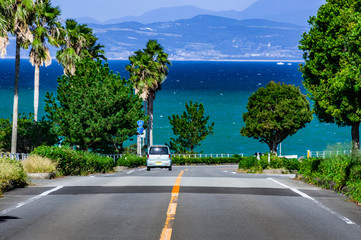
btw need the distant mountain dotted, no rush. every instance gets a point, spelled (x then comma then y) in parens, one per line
(166, 14)
(288, 11)
(205, 37)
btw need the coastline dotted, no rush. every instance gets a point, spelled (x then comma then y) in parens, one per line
(198, 60)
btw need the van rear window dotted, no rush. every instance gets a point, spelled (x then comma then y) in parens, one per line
(159, 150)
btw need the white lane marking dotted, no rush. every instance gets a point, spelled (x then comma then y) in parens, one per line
(130, 171)
(304, 195)
(91, 176)
(234, 172)
(225, 171)
(6, 211)
(142, 169)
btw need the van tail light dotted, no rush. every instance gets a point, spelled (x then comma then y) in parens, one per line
(169, 155)
(147, 155)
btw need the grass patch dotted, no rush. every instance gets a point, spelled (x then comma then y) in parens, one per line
(37, 164)
(12, 174)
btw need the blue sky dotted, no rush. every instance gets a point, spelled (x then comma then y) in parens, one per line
(103, 10)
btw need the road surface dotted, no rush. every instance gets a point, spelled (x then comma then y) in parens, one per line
(198, 202)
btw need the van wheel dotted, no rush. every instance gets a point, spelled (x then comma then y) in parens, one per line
(148, 168)
(170, 168)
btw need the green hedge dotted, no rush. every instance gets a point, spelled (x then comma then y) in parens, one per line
(340, 173)
(135, 161)
(130, 160)
(252, 164)
(244, 162)
(72, 162)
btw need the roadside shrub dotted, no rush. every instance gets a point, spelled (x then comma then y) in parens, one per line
(354, 190)
(248, 162)
(30, 134)
(275, 163)
(291, 164)
(355, 173)
(205, 160)
(38, 164)
(334, 171)
(72, 162)
(12, 174)
(132, 160)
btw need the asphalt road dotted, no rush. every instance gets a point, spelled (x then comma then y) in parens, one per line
(187, 203)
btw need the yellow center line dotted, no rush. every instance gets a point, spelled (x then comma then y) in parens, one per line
(172, 207)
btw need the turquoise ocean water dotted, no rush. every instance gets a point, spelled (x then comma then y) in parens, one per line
(222, 87)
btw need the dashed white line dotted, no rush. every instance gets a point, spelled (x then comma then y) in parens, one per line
(6, 211)
(304, 195)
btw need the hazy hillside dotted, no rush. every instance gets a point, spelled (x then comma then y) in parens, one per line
(288, 11)
(205, 37)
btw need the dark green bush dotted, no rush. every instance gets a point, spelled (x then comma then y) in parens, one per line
(355, 173)
(205, 160)
(72, 162)
(354, 190)
(336, 171)
(248, 162)
(291, 164)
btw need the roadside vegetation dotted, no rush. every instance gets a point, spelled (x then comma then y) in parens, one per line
(340, 173)
(12, 174)
(254, 165)
(72, 162)
(37, 164)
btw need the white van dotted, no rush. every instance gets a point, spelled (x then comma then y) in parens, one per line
(159, 156)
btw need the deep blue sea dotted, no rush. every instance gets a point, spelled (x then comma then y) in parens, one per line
(222, 87)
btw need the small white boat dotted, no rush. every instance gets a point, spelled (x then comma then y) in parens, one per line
(280, 63)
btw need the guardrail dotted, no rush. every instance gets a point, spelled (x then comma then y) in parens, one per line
(324, 154)
(207, 155)
(17, 156)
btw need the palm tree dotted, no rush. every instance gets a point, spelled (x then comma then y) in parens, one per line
(148, 70)
(78, 41)
(15, 19)
(45, 28)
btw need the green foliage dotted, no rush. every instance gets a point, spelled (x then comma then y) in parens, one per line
(77, 42)
(95, 108)
(274, 113)
(30, 134)
(332, 58)
(148, 69)
(12, 174)
(132, 160)
(71, 162)
(332, 172)
(354, 190)
(204, 160)
(253, 165)
(190, 128)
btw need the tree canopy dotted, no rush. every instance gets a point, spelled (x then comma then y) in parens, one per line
(190, 128)
(274, 113)
(332, 69)
(95, 108)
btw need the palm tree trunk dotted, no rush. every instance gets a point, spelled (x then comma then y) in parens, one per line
(16, 99)
(150, 114)
(36, 92)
